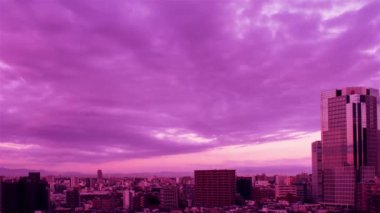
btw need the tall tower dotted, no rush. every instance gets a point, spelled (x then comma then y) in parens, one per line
(350, 143)
(99, 174)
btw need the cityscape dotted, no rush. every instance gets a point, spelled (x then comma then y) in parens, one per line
(189, 106)
(345, 176)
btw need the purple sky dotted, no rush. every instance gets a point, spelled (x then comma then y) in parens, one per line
(175, 85)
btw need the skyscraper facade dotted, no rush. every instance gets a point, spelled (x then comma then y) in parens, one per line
(214, 188)
(350, 143)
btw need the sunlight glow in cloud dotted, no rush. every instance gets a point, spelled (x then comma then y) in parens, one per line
(16, 146)
(181, 136)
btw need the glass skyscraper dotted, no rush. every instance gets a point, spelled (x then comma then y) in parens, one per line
(350, 142)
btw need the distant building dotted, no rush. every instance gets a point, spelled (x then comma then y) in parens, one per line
(59, 188)
(262, 177)
(263, 183)
(303, 191)
(316, 157)
(92, 182)
(104, 203)
(72, 198)
(100, 175)
(244, 187)
(138, 202)
(169, 197)
(283, 191)
(28, 194)
(262, 193)
(73, 182)
(186, 195)
(303, 185)
(283, 180)
(284, 187)
(350, 143)
(127, 198)
(214, 188)
(34, 176)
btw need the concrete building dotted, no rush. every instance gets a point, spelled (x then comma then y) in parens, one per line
(169, 197)
(127, 199)
(214, 188)
(282, 191)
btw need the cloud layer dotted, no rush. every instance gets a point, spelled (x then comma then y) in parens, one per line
(100, 81)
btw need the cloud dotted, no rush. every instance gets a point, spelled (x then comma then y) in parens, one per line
(103, 81)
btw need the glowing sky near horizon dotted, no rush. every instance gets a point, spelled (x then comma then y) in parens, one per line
(134, 86)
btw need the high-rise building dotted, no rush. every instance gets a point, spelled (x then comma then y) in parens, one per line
(72, 198)
(316, 157)
(169, 197)
(350, 143)
(244, 187)
(28, 194)
(100, 174)
(214, 188)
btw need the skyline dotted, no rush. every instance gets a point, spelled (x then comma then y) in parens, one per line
(134, 86)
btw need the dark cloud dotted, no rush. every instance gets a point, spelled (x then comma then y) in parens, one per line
(153, 78)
